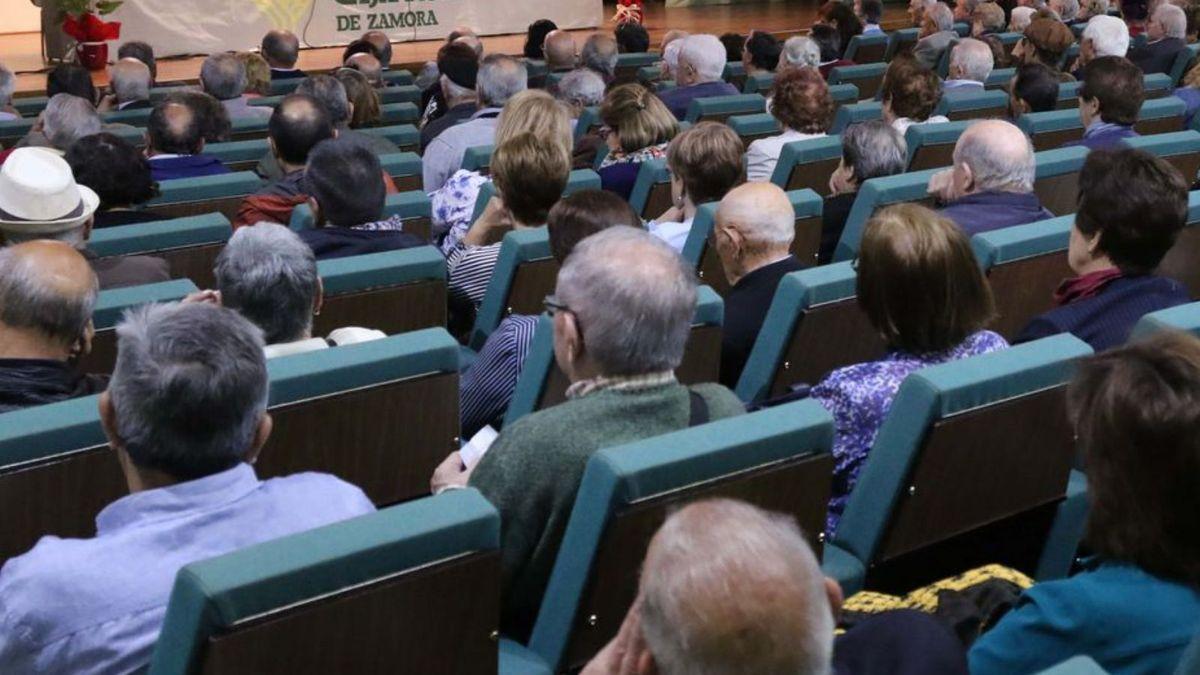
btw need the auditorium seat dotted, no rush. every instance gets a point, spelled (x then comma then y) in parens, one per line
(542, 384)
(931, 146)
(942, 492)
(876, 193)
(700, 249)
(777, 459)
(189, 245)
(398, 113)
(735, 74)
(391, 291)
(404, 136)
(1160, 115)
(579, 179)
(207, 194)
(525, 274)
(1180, 148)
(814, 326)
(901, 41)
(963, 29)
(758, 83)
(111, 305)
(808, 164)
(1190, 663)
(1051, 129)
(478, 158)
(404, 168)
(721, 108)
(589, 119)
(629, 64)
(1077, 665)
(1000, 77)
(1024, 265)
(412, 588)
(239, 155)
(245, 128)
(750, 128)
(651, 195)
(650, 75)
(1157, 85)
(1068, 95)
(387, 97)
(1009, 40)
(397, 77)
(973, 105)
(1056, 182)
(1184, 318)
(12, 131)
(413, 207)
(866, 49)
(1182, 262)
(854, 113)
(1182, 61)
(138, 117)
(867, 77)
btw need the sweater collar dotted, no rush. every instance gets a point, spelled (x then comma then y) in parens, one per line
(620, 383)
(1086, 286)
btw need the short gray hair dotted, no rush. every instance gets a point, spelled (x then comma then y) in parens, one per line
(1173, 20)
(599, 54)
(131, 81)
(705, 54)
(500, 78)
(269, 275)
(1068, 9)
(1096, 7)
(29, 301)
(223, 76)
(634, 297)
(802, 51)
(873, 149)
(1020, 18)
(994, 167)
(330, 93)
(67, 119)
(8, 84)
(708, 567)
(581, 87)
(189, 388)
(974, 58)
(1109, 35)
(941, 15)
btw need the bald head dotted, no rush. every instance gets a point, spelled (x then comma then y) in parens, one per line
(762, 214)
(473, 42)
(971, 59)
(297, 125)
(382, 44)
(281, 49)
(130, 80)
(368, 65)
(174, 128)
(673, 35)
(560, 50)
(47, 292)
(997, 155)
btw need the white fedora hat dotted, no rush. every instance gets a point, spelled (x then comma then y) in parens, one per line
(38, 194)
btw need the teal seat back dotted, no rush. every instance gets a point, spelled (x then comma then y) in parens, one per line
(1056, 180)
(963, 29)
(1024, 265)
(750, 128)
(589, 118)
(239, 155)
(1182, 262)
(649, 74)
(207, 194)
(354, 584)
(651, 194)
(111, 305)
(808, 164)
(1078, 665)
(542, 384)
(397, 77)
(404, 168)
(248, 127)
(735, 73)
(1184, 318)
(943, 423)
(285, 86)
(1157, 85)
(1182, 61)
(758, 83)
(12, 131)
(867, 48)
(776, 459)
(398, 113)
(1190, 663)
(1051, 129)
(854, 113)
(414, 207)
(1000, 77)
(392, 291)
(578, 179)
(843, 94)
(867, 77)
(189, 245)
(1160, 115)
(629, 65)
(901, 41)
(1068, 95)
(931, 146)
(814, 326)
(1180, 148)
(721, 108)
(404, 136)
(478, 158)
(973, 105)
(524, 275)
(138, 117)
(400, 94)
(875, 194)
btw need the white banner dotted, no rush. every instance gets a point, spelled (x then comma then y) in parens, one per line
(175, 27)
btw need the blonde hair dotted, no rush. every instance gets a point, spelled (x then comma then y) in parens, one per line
(258, 73)
(530, 175)
(639, 118)
(362, 95)
(536, 112)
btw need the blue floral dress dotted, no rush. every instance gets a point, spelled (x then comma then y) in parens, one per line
(452, 207)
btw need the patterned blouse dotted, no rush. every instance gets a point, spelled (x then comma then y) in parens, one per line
(859, 398)
(636, 157)
(453, 205)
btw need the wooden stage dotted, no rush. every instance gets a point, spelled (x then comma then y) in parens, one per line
(21, 52)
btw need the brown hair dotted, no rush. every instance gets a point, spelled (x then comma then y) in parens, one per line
(919, 282)
(258, 73)
(639, 118)
(576, 217)
(1118, 85)
(1136, 412)
(800, 100)
(530, 175)
(362, 96)
(707, 158)
(912, 90)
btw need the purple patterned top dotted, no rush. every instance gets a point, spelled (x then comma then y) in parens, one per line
(452, 207)
(859, 398)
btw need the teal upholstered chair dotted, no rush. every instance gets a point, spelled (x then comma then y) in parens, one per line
(341, 598)
(1182, 262)
(855, 113)
(413, 207)
(963, 29)
(750, 128)
(1157, 85)
(1184, 318)
(973, 105)
(867, 77)
(758, 83)
(542, 384)
(248, 127)
(111, 305)
(1190, 663)
(1056, 181)
(478, 158)
(1051, 129)
(1182, 61)
(400, 94)
(777, 459)
(239, 155)
(398, 113)
(734, 73)
(1078, 665)
(721, 108)
(525, 274)
(138, 117)
(189, 245)
(579, 179)
(814, 326)
(649, 74)
(843, 94)
(931, 146)
(589, 118)
(206, 194)
(397, 77)
(1000, 77)
(1180, 148)
(877, 193)
(808, 164)
(1068, 95)
(391, 291)
(12, 131)
(629, 64)
(867, 48)
(404, 136)
(651, 194)
(901, 41)
(1160, 115)
(1024, 265)
(942, 491)
(404, 169)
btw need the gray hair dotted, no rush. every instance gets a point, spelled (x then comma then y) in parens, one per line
(974, 58)
(996, 167)
(67, 119)
(1020, 18)
(941, 15)
(581, 87)
(705, 54)
(1109, 35)
(670, 57)
(269, 275)
(599, 54)
(8, 84)
(704, 576)
(802, 51)
(1096, 7)
(223, 76)
(189, 387)
(1173, 20)
(873, 149)
(628, 330)
(131, 81)
(30, 301)
(330, 93)
(1068, 9)
(500, 78)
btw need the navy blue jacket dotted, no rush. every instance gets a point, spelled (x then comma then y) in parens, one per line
(678, 100)
(342, 242)
(1106, 319)
(1104, 137)
(991, 210)
(185, 166)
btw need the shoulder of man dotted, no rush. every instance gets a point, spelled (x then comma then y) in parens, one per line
(721, 401)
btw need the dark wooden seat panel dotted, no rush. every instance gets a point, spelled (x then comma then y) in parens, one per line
(1024, 289)
(827, 337)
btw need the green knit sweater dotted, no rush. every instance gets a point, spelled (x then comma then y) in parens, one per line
(533, 470)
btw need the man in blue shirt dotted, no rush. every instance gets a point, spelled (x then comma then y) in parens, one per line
(175, 144)
(186, 415)
(701, 65)
(1110, 99)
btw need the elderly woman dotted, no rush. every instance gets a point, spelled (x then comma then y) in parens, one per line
(801, 102)
(1019, 18)
(705, 163)
(910, 94)
(118, 173)
(840, 16)
(258, 74)
(869, 150)
(579, 89)
(800, 52)
(1136, 604)
(922, 290)
(1045, 41)
(364, 98)
(638, 126)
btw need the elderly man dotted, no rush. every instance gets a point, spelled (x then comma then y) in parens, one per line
(65, 120)
(140, 51)
(799, 52)
(175, 144)
(707, 575)
(129, 82)
(937, 33)
(186, 419)
(47, 293)
(971, 63)
(1167, 33)
(39, 199)
(599, 54)
(869, 150)
(369, 66)
(500, 78)
(671, 44)
(459, 68)
(269, 275)
(1103, 36)
(579, 89)
(1067, 10)
(383, 47)
(917, 10)
(619, 346)
(991, 183)
(8, 84)
(1110, 100)
(754, 229)
(1020, 18)
(988, 18)
(561, 51)
(701, 66)
(281, 50)
(224, 77)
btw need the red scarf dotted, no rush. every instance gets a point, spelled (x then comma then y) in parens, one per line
(1085, 286)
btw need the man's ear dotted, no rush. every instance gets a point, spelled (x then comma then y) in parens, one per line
(1093, 242)
(261, 433)
(318, 215)
(833, 591)
(568, 332)
(319, 297)
(200, 146)
(108, 421)
(970, 176)
(645, 662)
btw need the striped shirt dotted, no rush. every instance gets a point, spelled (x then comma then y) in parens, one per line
(470, 271)
(487, 387)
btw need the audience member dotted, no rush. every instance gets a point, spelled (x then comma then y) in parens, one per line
(829, 42)
(964, 10)
(258, 74)
(735, 44)
(987, 19)
(73, 79)
(1034, 88)
(142, 52)
(561, 51)
(917, 9)
(369, 66)
(1092, 8)
(937, 33)
(705, 163)
(281, 50)
(175, 144)
(761, 53)
(701, 66)
(1134, 605)
(669, 65)
(360, 46)
(65, 120)
(1132, 207)
(970, 65)
(118, 174)
(1110, 99)
(869, 150)
(1103, 36)
(1135, 13)
(631, 38)
(8, 84)
(383, 47)
(638, 127)
(215, 125)
(1044, 41)
(1020, 18)
(910, 93)
(1167, 33)
(1067, 10)
(840, 16)
(268, 274)
(799, 52)
(578, 90)
(186, 418)
(870, 12)
(459, 68)
(129, 82)
(224, 78)
(619, 346)
(535, 37)
(801, 102)
(922, 290)
(365, 108)
(47, 293)
(599, 54)
(991, 184)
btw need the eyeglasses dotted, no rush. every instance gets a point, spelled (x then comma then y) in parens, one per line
(553, 306)
(854, 264)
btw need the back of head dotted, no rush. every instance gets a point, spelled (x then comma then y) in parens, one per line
(605, 282)
(281, 48)
(215, 125)
(560, 49)
(383, 46)
(707, 158)
(142, 52)
(346, 180)
(1068, 10)
(872, 10)
(223, 76)
(69, 78)
(359, 46)
(47, 289)
(535, 37)
(67, 119)
(873, 149)
(632, 38)
(368, 65)
(918, 281)
(500, 78)
(763, 215)
(582, 214)
(1173, 20)
(362, 96)
(941, 16)
(1136, 201)
(269, 275)
(1118, 85)
(331, 94)
(1036, 85)
(530, 175)
(297, 125)
(536, 112)
(1020, 18)
(258, 73)
(990, 16)
(1109, 35)
(1135, 413)
(130, 80)
(8, 84)
(910, 89)
(764, 50)
(801, 101)
(734, 43)
(458, 66)
(704, 55)
(581, 88)
(174, 128)
(801, 51)
(638, 117)
(828, 40)
(599, 53)
(188, 389)
(1000, 156)
(113, 169)
(721, 568)
(974, 60)
(1047, 39)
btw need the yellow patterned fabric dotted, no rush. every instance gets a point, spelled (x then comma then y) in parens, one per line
(925, 599)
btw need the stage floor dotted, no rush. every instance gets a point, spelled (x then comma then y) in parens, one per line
(21, 52)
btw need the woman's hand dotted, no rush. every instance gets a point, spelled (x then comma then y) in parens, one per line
(495, 217)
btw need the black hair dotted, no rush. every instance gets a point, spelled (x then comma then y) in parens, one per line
(174, 128)
(764, 50)
(536, 35)
(632, 38)
(298, 124)
(1037, 85)
(113, 169)
(142, 52)
(73, 79)
(346, 179)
